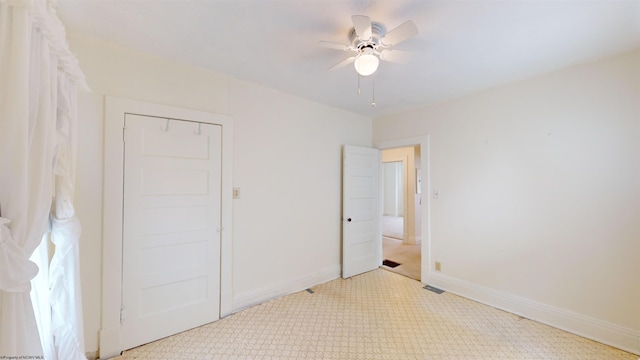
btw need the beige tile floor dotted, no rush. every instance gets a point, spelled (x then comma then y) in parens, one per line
(377, 315)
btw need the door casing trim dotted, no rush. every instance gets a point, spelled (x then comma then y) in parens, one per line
(113, 178)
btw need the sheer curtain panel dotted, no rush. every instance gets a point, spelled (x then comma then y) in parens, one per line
(37, 100)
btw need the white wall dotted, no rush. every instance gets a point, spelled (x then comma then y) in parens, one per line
(539, 208)
(287, 153)
(287, 163)
(392, 188)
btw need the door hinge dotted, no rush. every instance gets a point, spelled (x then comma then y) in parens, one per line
(121, 314)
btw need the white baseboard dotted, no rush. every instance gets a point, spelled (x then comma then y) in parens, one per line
(595, 329)
(276, 290)
(226, 306)
(411, 240)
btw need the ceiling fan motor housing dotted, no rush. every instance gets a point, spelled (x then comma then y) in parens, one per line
(377, 32)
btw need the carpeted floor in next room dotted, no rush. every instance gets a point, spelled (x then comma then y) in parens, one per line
(378, 315)
(408, 256)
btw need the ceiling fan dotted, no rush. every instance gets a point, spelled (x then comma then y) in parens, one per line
(371, 43)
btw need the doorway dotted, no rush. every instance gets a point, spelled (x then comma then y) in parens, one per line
(401, 215)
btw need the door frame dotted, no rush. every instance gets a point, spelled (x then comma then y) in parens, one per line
(112, 235)
(425, 216)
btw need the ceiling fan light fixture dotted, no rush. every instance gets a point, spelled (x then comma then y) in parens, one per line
(366, 64)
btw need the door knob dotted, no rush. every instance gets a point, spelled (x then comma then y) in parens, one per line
(348, 219)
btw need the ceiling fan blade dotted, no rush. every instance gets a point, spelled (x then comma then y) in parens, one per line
(332, 45)
(395, 56)
(342, 63)
(362, 25)
(400, 34)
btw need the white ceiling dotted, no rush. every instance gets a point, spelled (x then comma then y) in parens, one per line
(462, 46)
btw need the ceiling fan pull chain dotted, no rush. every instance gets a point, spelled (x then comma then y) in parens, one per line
(358, 83)
(373, 96)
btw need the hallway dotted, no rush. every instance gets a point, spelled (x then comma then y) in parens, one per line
(393, 248)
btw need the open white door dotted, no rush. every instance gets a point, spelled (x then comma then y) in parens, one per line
(361, 239)
(171, 231)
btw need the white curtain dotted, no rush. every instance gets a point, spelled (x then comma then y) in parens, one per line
(64, 270)
(40, 78)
